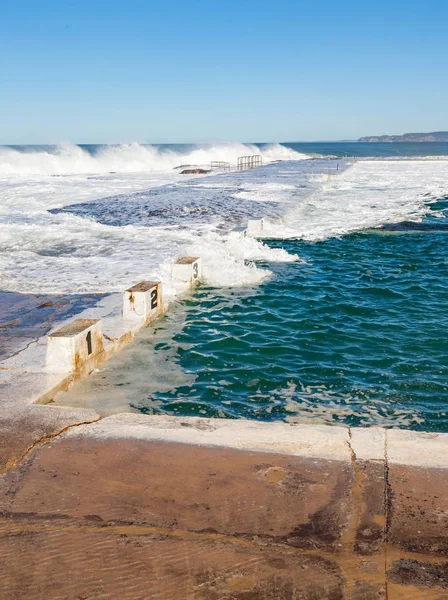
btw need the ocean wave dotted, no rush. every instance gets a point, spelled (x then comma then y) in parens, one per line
(69, 159)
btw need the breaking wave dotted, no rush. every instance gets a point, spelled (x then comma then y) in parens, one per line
(69, 159)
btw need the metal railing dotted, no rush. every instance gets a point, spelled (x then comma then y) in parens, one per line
(219, 165)
(249, 162)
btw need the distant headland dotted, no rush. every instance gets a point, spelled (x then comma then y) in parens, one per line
(435, 136)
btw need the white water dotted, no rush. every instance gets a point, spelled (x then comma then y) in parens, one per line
(368, 195)
(134, 222)
(69, 159)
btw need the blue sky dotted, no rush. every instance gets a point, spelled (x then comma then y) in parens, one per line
(192, 71)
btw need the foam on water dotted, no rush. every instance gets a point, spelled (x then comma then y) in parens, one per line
(368, 195)
(108, 230)
(45, 252)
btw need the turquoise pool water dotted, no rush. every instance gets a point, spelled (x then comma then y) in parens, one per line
(355, 334)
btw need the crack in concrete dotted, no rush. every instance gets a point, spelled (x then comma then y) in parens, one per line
(358, 503)
(17, 352)
(11, 464)
(387, 511)
(357, 494)
(110, 339)
(349, 536)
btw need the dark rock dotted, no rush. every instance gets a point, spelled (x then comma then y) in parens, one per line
(195, 171)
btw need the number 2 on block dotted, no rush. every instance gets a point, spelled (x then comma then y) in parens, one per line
(154, 297)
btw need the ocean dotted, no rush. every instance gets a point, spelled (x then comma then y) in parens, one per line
(339, 315)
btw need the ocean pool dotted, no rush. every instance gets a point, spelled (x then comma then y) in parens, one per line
(356, 334)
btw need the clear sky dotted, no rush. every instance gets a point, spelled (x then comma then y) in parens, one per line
(248, 70)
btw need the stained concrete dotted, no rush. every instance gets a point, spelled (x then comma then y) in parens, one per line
(24, 318)
(137, 507)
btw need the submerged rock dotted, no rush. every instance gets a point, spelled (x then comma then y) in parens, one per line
(195, 171)
(413, 226)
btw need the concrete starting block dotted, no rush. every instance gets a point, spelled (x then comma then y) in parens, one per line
(187, 270)
(255, 226)
(75, 347)
(143, 301)
(238, 233)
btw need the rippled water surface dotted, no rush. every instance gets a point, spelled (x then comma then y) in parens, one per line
(355, 334)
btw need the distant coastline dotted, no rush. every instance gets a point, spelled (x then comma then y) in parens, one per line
(435, 136)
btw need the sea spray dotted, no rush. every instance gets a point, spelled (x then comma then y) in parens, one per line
(70, 159)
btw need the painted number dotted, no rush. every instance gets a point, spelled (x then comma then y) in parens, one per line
(195, 270)
(154, 296)
(89, 343)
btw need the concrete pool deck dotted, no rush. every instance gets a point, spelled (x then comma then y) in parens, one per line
(137, 507)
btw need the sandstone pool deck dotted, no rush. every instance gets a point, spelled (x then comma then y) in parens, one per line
(140, 507)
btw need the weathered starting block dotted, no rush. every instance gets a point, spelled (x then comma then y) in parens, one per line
(238, 233)
(187, 270)
(75, 348)
(143, 301)
(255, 226)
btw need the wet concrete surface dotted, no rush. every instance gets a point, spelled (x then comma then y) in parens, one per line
(100, 563)
(418, 509)
(24, 318)
(107, 510)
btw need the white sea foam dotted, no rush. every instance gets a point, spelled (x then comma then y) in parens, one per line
(65, 252)
(133, 224)
(318, 404)
(69, 159)
(368, 195)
